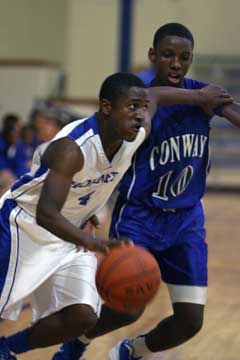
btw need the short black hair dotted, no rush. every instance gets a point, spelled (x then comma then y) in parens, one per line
(117, 85)
(172, 29)
(9, 122)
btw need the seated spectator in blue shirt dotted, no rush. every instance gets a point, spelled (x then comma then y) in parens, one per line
(13, 161)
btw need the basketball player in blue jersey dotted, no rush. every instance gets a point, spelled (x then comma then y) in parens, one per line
(159, 204)
(41, 216)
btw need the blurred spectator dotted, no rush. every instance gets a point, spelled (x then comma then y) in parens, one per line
(48, 118)
(28, 143)
(13, 162)
(18, 143)
(46, 124)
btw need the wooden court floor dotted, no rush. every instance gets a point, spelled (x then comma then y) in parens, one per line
(220, 337)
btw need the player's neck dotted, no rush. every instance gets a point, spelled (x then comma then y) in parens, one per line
(159, 82)
(110, 144)
(111, 149)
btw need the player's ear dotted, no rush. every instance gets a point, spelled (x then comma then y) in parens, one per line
(152, 55)
(106, 106)
(191, 59)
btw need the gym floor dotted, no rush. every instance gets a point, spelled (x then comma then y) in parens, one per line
(220, 337)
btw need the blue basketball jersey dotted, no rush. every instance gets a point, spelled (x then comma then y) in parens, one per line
(170, 168)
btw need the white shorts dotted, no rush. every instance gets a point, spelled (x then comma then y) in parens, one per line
(43, 266)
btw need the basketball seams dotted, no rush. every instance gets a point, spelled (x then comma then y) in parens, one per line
(128, 278)
(108, 269)
(132, 278)
(141, 262)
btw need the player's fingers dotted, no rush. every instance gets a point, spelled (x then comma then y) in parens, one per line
(88, 227)
(95, 221)
(227, 96)
(119, 242)
(226, 101)
(126, 241)
(214, 87)
(99, 246)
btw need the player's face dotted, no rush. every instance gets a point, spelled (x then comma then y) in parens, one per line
(171, 59)
(129, 113)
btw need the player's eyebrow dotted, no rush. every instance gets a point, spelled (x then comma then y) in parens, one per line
(138, 100)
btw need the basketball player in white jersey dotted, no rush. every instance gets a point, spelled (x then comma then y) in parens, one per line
(43, 251)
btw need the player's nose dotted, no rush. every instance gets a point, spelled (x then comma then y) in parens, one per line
(140, 114)
(176, 64)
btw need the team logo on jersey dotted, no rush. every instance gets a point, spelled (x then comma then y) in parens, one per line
(171, 150)
(105, 178)
(177, 148)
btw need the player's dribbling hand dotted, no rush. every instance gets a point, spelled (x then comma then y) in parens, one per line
(119, 242)
(103, 246)
(91, 224)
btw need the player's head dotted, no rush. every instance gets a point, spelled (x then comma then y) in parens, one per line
(123, 100)
(47, 123)
(11, 128)
(172, 53)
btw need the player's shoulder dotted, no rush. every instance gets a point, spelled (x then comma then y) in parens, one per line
(190, 83)
(147, 76)
(63, 154)
(79, 130)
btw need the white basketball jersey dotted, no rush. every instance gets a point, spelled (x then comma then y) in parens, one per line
(92, 186)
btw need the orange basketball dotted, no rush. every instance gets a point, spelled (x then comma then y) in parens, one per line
(127, 278)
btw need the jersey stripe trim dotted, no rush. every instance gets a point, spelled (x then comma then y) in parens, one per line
(85, 137)
(128, 194)
(90, 124)
(25, 179)
(133, 178)
(11, 238)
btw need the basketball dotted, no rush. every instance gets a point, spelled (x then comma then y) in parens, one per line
(127, 278)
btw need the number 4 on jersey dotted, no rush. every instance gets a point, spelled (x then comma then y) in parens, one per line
(83, 200)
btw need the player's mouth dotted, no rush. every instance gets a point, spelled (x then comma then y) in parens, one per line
(135, 129)
(174, 78)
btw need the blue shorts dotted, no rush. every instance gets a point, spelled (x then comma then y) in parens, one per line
(176, 239)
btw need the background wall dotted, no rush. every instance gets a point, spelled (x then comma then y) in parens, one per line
(93, 35)
(33, 29)
(214, 23)
(92, 44)
(82, 36)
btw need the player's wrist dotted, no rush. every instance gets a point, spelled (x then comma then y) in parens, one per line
(199, 97)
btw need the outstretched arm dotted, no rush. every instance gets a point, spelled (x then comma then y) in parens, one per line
(232, 113)
(210, 96)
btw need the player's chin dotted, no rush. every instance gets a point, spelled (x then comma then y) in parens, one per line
(130, 138)
(174, 82)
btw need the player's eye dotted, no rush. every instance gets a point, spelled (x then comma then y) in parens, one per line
(185, 57)
(132, 107)
(167, 54)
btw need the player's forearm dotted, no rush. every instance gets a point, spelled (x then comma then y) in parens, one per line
(210, 96)
(232, 113)
(170, 95)
(53, 221)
